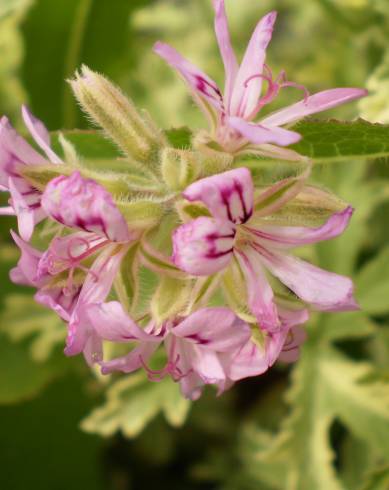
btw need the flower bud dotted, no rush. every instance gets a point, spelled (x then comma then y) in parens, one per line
(116, 114)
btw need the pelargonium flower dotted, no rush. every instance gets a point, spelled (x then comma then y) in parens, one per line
(102, 237)
(237, 232)
(210, 346)
(15, 153)
(232, 114)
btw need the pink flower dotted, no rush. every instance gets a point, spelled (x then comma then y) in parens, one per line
(211, 346)
(102, 236)
(231, 114)
(237, 233)
(15, 153)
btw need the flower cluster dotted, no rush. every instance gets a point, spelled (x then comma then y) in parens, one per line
(225, 298)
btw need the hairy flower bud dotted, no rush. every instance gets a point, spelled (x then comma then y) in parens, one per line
(179, 167)
(116, 114)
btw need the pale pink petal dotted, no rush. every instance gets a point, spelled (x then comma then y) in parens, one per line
(296, 236)
(25, 272)
(319, 102)
(25, 215)
(82, 203)
(260, 134)
(200, 84)
(203, 246)
(205, 362)
(111, 322)
(192, 386)
(96, 288)
(223, 38)
(136, 359)
(259, 292)
(324, 290)
(247, 90)
(228, 196)
(40, 134)
(217, 329)
(291, 348)
(15, 149)
(59, 300)
(7, 211)
(250, 360)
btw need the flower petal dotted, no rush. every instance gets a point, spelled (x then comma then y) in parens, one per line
(290, 350)
(203, 246)
(112, 323)
(296, 236)
(259, 291)
(82, 203)
(246, 92)
(39, 133)
(326, 291)
(25, 272)
(56, 299)
(228, 196)
(97, 285)
(260, 134)
(217, 329)
(223, 38)
(319, 102)
(134, 360)
(199, 83)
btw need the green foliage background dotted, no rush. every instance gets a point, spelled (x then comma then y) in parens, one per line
(321, 425)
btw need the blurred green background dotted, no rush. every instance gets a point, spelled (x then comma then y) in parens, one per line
(332, 429)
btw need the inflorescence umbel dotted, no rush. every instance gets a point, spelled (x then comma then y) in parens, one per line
(181, 253)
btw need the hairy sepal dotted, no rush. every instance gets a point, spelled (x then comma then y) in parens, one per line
(170, 298)
(141, 214)
(157, 262)
(126, 283)
(179, 168)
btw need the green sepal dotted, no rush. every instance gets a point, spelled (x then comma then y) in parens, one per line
(235, 291)
(170, 298)
(127, 280)
(141, 214)
(179, 167)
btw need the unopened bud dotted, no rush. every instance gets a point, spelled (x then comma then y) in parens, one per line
(117, 115)
(214, 161)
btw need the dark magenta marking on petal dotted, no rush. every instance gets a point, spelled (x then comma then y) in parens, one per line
(198, 339)
(246, 214)
(212, 254)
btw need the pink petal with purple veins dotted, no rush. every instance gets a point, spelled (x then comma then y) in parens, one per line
(260, 134)
(200, 84)
(203, 246)
(40, 134)
(324, 290)
(247, 89)
(319, 102)
(82, 203)
(285, 237)
(59, 300)
(259, 292)
(217, 329)
(228, 196)
(231, 66)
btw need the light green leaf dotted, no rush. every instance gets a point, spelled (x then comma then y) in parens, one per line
(179, 137)
(377, 480)
(24, 319)
(331, 141)
(373, 285)
(132, 402)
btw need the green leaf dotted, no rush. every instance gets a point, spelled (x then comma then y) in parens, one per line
(23, 319)
(179, 137)
(88, 143)
(21, 378)
(132, 402)
(332, 141)
(373, 285)
(348, 325)
(377, 480)
(58, 37)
